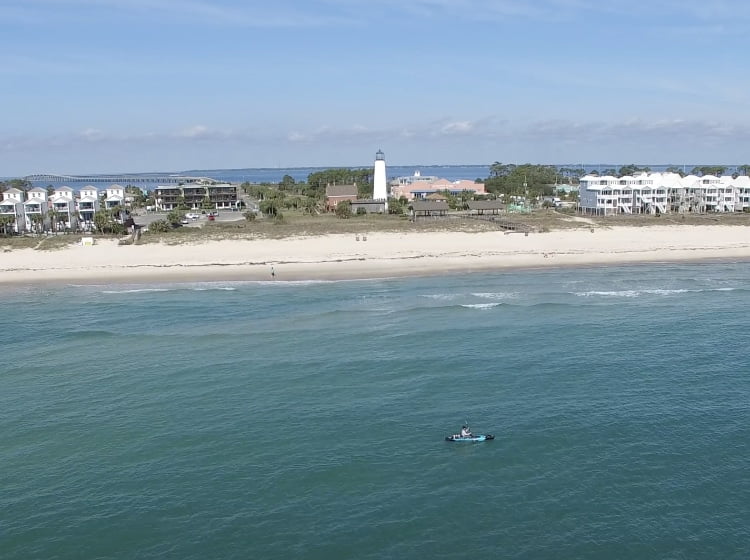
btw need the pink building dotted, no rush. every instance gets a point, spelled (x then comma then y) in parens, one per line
(420, 187)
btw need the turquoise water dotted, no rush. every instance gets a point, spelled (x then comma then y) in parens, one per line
(306, 420)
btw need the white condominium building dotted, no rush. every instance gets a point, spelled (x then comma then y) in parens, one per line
(661, 193)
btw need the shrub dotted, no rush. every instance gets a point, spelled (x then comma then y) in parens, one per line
(344, 210)
(160, 226)
(175, 216)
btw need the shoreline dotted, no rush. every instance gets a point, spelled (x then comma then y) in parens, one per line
(383, 255)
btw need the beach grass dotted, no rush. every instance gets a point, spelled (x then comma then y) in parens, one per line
(303, 225)
(299, 224)
(40, 242)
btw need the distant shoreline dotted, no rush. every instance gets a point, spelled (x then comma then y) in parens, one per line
(382, 255)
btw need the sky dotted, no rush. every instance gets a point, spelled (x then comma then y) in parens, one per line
(116, 86)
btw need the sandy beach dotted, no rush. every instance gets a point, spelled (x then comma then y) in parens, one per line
(377, 255)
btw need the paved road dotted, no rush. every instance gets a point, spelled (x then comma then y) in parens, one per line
(146, 218)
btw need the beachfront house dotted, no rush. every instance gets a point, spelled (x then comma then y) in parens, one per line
(741, 186)
(35, 210)
(88, 205)
(63, 209)
(11, 211)
(339, 193)
(114, 197)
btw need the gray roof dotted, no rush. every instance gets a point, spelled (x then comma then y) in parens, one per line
(485, 204)
(341, 190)
(429, 205)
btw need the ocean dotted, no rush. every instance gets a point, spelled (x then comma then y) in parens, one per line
(276, 174)
(300, 174)
(277, 420)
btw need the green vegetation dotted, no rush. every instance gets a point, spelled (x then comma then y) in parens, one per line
(160, 226)
(525, 180)
(6, 223)
(21, 184)
(176, 216)
(631, 169)
(708, 170)
(139, 199)
(344, 210)
(106, 222)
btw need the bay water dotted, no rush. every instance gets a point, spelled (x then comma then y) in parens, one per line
(307, 419)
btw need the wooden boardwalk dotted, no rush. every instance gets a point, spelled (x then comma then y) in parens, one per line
(497, 220)
(501, 222)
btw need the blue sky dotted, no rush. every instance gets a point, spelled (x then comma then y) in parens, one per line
(144, 85)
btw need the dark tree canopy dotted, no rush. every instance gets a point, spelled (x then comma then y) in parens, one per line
(526, 179)
(717, 170)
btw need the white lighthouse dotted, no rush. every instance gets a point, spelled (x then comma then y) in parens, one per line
(380, 191)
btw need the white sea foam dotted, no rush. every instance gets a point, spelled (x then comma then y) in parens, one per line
(137, 290)
(495, 295)
(440, 297)
(629, 293)
(480, 305)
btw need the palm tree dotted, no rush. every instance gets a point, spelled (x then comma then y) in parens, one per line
(37, 222)
(54, 217)
(5, 221)
(103, 221)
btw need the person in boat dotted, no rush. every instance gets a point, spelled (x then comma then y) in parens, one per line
(465, 431)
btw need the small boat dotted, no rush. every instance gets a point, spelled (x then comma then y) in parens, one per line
(474, 438)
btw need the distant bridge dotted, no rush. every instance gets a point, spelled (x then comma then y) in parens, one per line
(118, 179)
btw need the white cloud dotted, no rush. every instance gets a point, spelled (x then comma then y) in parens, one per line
(197, 131)
(457, 127)
(91, 134)
(554, 140)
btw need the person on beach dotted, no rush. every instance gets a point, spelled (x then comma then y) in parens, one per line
(273, 273)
